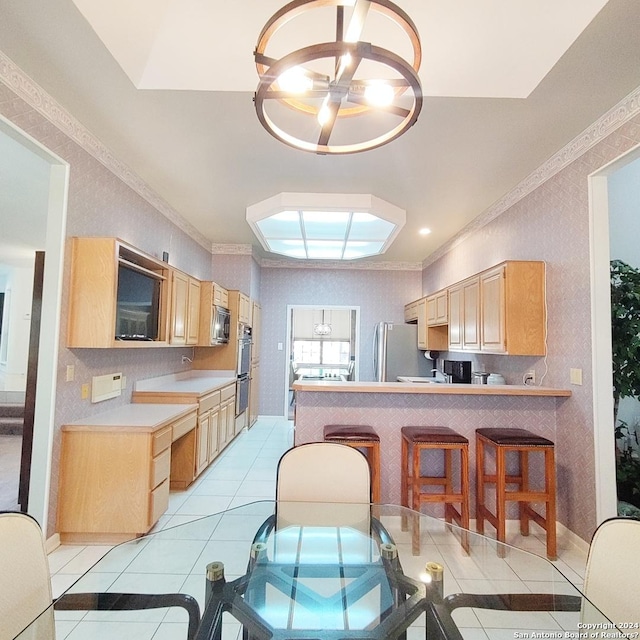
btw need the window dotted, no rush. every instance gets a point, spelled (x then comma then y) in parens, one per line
(323, 352)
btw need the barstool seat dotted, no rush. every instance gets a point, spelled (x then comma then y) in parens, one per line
(415, 440)
(350, 432)
(523, 442)
(365, 438)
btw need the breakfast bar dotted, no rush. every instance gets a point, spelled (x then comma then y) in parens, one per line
(389, 406)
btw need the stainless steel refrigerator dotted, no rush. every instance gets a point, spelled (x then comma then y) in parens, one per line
(395, 352)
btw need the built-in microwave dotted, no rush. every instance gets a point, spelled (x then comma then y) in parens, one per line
(220, 325)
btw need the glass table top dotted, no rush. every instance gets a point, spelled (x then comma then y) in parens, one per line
(309, 570)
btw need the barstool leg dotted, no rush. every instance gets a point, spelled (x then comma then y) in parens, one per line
(464, 490)
(404, 484)
(501, 502)
(375, 471)
(448, 486)
(550, 514)
(524, 487)
(479, 486)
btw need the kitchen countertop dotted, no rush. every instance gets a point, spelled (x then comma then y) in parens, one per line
(145, 418)
(428, 388)
(190, 382)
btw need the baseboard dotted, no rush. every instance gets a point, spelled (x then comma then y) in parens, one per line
(52, 543)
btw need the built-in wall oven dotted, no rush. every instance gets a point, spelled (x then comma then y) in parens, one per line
(243, 369)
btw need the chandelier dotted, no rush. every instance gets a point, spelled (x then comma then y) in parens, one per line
(322, 328)
(341, 96)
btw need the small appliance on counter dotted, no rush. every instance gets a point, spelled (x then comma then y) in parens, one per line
(459, 370)
(479, 377)
(496, 378)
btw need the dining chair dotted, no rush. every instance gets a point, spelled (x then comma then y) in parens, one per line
(610, 584)
(25, 587)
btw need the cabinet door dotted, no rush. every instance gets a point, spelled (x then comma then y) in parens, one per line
(231, 419)
(202, 442)
(442, 311)
(193, 311)
(422, 324)
(471, 315)
(222, 425)
(492, 311)
(253, 394)
(214, 426)
(455, 317)
(431, 310)
(411, 311)
(179, 298)
(255, 332)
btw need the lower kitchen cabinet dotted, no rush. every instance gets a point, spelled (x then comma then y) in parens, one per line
(115, 472)
(254, 394)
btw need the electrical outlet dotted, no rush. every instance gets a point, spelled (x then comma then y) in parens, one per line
(84, 391)
(529, 377)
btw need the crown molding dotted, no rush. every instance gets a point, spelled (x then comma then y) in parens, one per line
(618, 115)
(38, 99)
(270, 263)
(232, 249)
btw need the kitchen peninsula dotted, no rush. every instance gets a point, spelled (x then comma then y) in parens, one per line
(388, 406)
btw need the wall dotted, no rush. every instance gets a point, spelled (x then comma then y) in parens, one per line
(380, 294)
(552, 224)
(101, 204)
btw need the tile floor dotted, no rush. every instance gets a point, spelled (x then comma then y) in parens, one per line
(245, 472)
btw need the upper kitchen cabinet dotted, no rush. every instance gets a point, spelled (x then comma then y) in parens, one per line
(215, 322)
(411, 311)
(185, 309)
(501, 310)
(464, 316)
(219, 295)
(513, 309)
(437, 309)
(256, 319)
(429, 337)
(244, 307)
(118, 296)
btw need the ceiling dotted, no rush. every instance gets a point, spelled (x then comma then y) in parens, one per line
(506, 85)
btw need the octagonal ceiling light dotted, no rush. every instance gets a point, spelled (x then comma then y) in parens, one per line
(325, 226)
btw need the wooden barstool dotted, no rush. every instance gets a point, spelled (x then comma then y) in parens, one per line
(415, 440)
(361, 437)
(523, 442)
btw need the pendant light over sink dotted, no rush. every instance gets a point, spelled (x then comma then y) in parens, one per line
(341, 93)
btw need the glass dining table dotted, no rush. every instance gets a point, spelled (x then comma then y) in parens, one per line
(326, 571)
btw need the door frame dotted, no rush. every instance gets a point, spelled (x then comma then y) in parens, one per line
(601, 348)
(327, 307)
(44, 414)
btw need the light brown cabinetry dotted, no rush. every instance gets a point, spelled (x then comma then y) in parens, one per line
(114, 479)
(213, 431)
(93, 291)
(243, 304)
(501, 310)
(437, 309)
(185, 309)
(254, 393)
(220, 295)
(411, 312)
(421, 308)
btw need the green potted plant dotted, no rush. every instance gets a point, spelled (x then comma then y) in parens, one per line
(625, 338)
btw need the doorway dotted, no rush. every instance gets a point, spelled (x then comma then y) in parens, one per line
(33, 199)
(601, 218)
(322, 343)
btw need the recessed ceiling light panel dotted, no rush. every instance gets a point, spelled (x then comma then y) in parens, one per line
(325, 226)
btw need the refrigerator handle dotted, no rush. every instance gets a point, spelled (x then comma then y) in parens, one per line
(375, 351)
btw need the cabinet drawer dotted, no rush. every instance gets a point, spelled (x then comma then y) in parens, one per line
(160, 468)
(158, 502)
(228, 392)
(161, 441)
(208, 402)
(184, 426)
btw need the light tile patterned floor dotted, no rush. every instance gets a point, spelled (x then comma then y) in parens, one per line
(245, 472)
